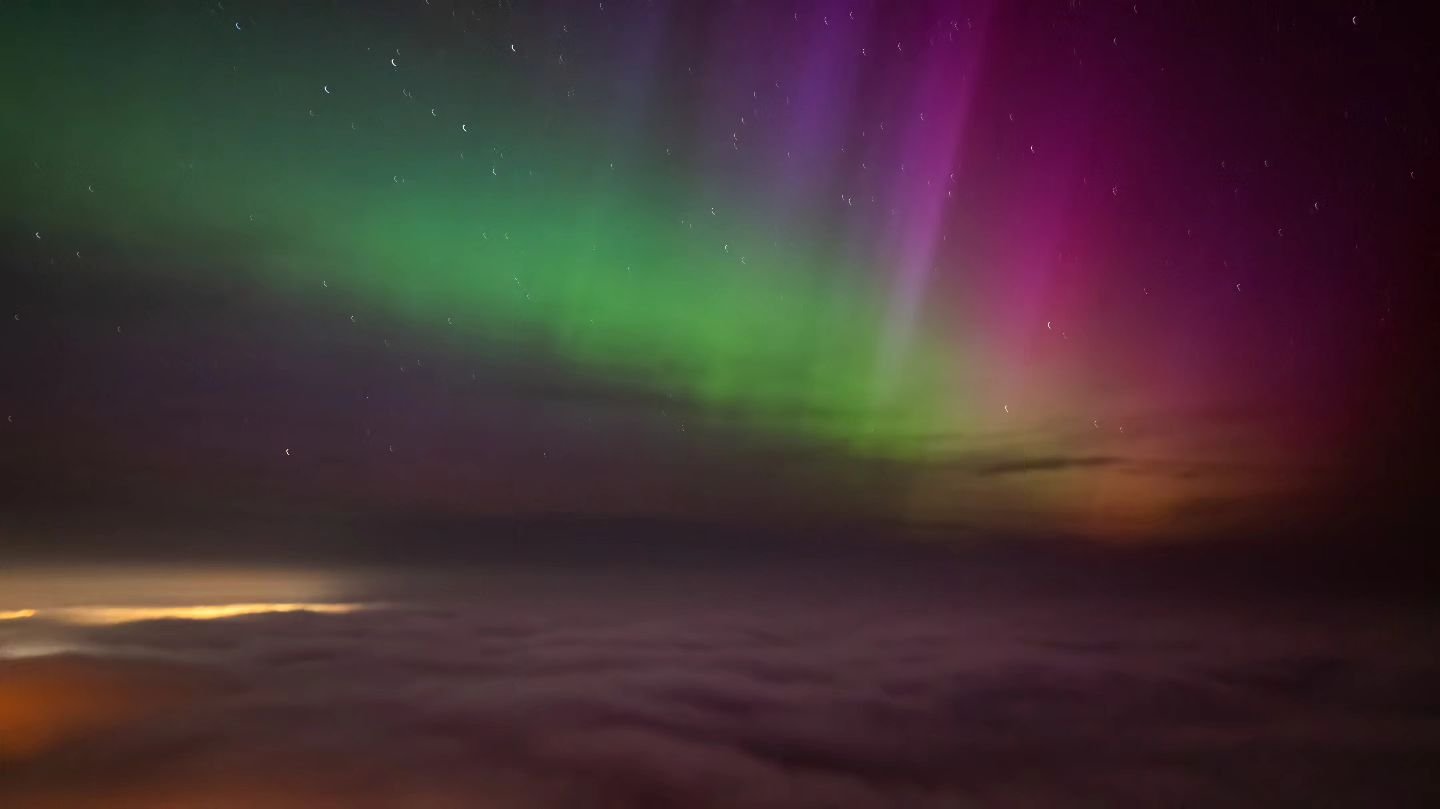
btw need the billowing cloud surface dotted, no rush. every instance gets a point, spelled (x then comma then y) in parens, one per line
(746, 699)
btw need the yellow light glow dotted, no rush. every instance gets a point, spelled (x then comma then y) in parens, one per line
(94, 616)
(15, 615)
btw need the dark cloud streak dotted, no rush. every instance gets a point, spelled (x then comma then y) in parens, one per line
(1048, 464)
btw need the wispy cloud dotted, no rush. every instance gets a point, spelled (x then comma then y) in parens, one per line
(1052, 463)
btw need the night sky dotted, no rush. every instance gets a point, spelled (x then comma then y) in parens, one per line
(658, 305)
(1105, 270)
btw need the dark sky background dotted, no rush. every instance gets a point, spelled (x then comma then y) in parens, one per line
(1094, 270)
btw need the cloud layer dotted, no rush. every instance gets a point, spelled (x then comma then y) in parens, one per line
(646, 699)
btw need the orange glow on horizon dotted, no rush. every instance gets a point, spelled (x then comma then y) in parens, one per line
(103, 616)
(45, 702)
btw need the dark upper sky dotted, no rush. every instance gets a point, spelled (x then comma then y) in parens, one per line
(1106, 270)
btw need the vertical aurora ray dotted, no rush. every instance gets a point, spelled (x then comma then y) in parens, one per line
(933, 125)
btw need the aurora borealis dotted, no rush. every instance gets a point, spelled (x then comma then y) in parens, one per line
(917, 264)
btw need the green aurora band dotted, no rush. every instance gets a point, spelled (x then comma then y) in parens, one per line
(519, 237)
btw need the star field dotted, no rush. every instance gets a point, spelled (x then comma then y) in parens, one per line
(1108, 268)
